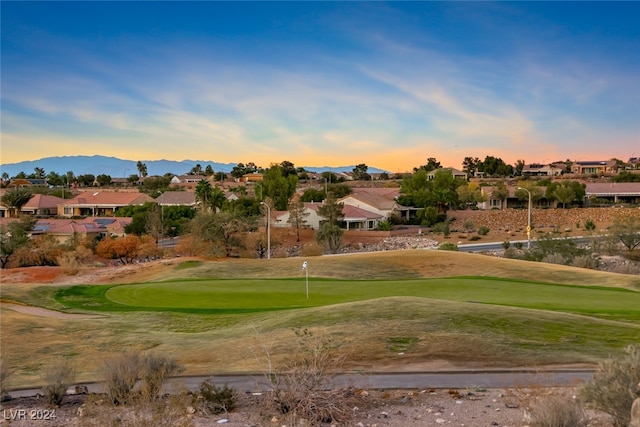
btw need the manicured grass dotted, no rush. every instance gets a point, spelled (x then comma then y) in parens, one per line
(254, 295)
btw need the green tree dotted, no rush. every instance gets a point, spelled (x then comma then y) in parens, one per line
(278, 187)
(443, 191)
(432, 164)
(330, 234)
(312, 195)
(298, 216)
(564, 194)
(39, 173)
(220, 231)
(208, 171)
(470, 165)
(14, 200)
(360, 172)
(518, 167)
(14, 236)
(155, 185)
(196, 170)
(288, 168)
(103, 180)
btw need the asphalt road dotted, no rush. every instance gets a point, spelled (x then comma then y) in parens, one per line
(388, 380)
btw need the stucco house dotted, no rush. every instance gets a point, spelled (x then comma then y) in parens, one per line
(457, 174)
(101, 203)
(620, 192)
(594, 167)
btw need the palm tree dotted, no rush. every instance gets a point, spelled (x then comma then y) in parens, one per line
(142, 169)
(15, 200)
(204, 194)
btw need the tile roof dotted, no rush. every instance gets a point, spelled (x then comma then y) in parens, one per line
(109, 198)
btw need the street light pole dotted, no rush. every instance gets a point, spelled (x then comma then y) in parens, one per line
(528, 218)
(268, 229)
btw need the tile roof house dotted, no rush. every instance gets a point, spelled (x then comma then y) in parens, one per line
(177, 198)
(594, 167)
(63, 229)
(101, 203)
(42, 205)
(188, 179)
(38, 205)
(614, 192)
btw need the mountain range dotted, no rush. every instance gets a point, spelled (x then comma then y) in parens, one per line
(120, 168)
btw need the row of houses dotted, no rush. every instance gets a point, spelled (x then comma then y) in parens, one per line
(363, 209)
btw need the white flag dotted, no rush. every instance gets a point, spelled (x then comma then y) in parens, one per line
(304, 265)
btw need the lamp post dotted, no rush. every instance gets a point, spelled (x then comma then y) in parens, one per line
(268, 229)
(528, 218)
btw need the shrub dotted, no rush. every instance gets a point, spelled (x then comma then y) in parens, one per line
(5, 373)
(448, 246)
(558, 411)
(589, 224)
(614, 386)
(120, 376)
(475, 238)
(442, 227)
(299, 389)
(518, 245)
(215, 400)
(506, 244)
(57, 378)
(469, 225)
(154, 371)
(585, 261)
(384, 226)
(483, 230)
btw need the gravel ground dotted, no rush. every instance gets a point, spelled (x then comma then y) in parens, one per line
(367, 408)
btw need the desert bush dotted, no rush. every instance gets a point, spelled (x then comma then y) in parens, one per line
(120, 375)
(633, 255)
(469, 225)
(299, 388)
(506, 244)
(518, 245)
(585, 261)
(448, 246)
(154, 371)
(614, 386)
(312, 249)
(558, 411)
(589, 225)
(172, 412)
(215, 400)
(58, 377)
(442, 228)
(483, 230)
(554, 258)
(5, 373)
(69, 264)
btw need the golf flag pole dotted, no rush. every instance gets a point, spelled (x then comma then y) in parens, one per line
(306, 270)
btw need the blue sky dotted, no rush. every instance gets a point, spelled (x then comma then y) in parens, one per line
(321, 83)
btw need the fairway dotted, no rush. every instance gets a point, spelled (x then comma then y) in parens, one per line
(258, 295)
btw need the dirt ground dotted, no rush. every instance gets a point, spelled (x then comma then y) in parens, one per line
(473, 407)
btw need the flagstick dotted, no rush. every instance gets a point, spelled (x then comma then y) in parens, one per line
(307, 271)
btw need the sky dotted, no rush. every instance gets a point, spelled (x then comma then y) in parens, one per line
(387, 84)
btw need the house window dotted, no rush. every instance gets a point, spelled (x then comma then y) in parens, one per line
(68, 210)
(371, 224)
(495, 203)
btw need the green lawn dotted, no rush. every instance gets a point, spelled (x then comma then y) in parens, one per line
(256, 295)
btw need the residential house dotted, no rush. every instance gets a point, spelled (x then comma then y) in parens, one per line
(42, 205)
(457, 174)
(38, 205)
(177, 198)
(91, 228)
(381, 201)
(101, 203)
(633, 163)
(614, 192)
(188, 179)
(27, 183)
(594, 167)
(251, 177)
(538, 169)
(511, 201)
(354, 218)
